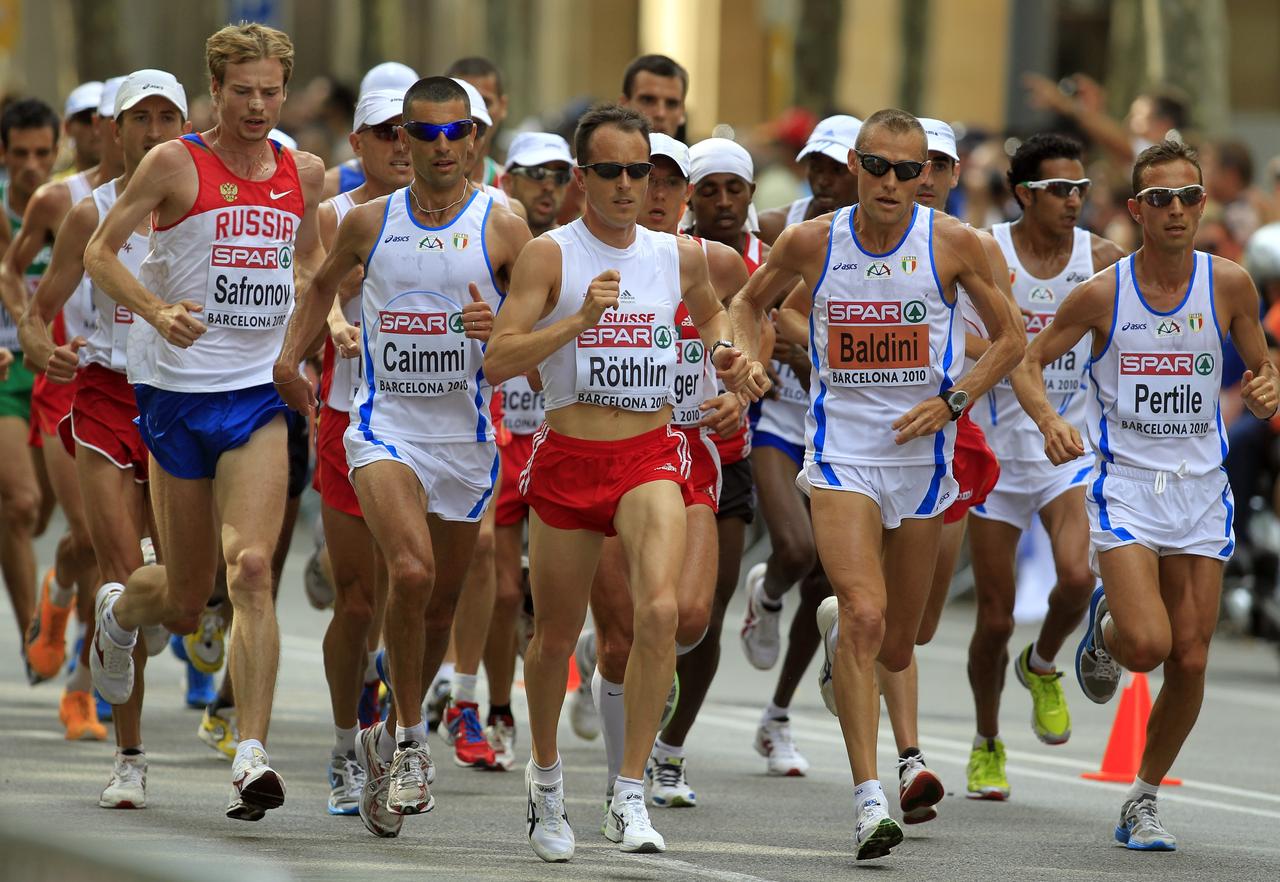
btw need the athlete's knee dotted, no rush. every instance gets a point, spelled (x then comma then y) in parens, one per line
(693, 618)
(1075, 583)
(895, 654)
(793, 556)
(612, 654)
(184, 609)
(354, 605)
(412, 573)
(1145, 652)
(248, 570)
(1187, 658)
(657, 616)
(20, 508)
(994, 626)
(554, 644)
(484, 547)
(861, 624)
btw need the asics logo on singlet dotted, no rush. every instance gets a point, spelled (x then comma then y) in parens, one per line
(390, 239)
(878, 270)
(1134, 326)
(1074, 278)
(841, 267)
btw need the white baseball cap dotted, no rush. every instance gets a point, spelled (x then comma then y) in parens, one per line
(147, 82)
(85, 96)
(107, 102)
(941, 137)
(833, 137)
(389, 75)
(378, 106)
(479, 111)
(538, 148)
(665, 145)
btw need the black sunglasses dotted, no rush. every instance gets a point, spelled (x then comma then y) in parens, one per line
(383, 131)
(453, 131)
(878, 166)
(611, 170)
(1161, 197)
(541, 173)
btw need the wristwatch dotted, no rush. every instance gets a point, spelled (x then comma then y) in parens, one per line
(957, 400)
(727, 344)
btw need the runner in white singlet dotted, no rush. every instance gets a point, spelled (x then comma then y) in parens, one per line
(1159, 505)
(437, 258)
(825, 157)
(110, 458)
(886, 347)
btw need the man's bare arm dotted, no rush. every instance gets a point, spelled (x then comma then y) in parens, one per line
(514, 346)
(44, 214)
(66, 269)
(309, 251)
(1260, 385)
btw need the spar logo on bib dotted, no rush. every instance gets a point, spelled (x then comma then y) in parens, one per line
(1037, 321)
(418, 322)
(1165, 364)
(663, 337)
(691, 352)
(628, 330)
(1204, 364)
(251, 256)
(878, 269)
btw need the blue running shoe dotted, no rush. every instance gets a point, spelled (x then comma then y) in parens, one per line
(105, 711)
(380, 664)
(1140, 828)
(368, 712)
(75, 654)
(1096, 671)
(201, 688)
(178, 648)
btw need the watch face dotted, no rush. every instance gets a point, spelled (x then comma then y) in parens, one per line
(958, 399)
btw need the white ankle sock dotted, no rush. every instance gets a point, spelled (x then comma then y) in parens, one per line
(386, 745)
(623, 785)
(663, 751)
(1037, 662)
(344, 740)
(246, 745)
(416, 733)
(1141, 788)
(464, 688)
(552, 774)
(773, 712)
(612, 708)
(868, 789)
(60, 595)
(119, 636)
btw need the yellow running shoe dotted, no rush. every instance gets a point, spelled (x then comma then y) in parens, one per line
(79, 714)
(1050, 719)
(220, 732)
(986, 772)
(206, 646)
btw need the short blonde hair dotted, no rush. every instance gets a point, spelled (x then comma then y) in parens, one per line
(247, 41)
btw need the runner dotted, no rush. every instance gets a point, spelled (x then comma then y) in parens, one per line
(392, 75)
(1160, 508)
(80, 125)
(110, 460)
(826, 169)
(233, 213)
(895, 341)
(656, 86)
(1048, 255)
(606, 405)
(423, 443)
(537, 176)
(29, 132)
(359, 582)
(487, 79)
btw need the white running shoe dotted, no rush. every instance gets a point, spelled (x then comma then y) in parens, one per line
(408, 790)
(828, 617)
(501, 735)
(156, 638)
(919, 790)
(1140, 827)
(435, 704)
(315, 582)
(377, 818)
(628, 825)
(549, 831)
(127, 788)
(774, 743)
(669, 783)
(760, 627)
(876, 833)
(110, 665)
(583, 716)
(346, 784)
(256, 788)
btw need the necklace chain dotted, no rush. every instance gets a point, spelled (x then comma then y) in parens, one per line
(466, 190)
(259, 164)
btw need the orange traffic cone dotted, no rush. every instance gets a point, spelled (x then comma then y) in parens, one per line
(1128, 736)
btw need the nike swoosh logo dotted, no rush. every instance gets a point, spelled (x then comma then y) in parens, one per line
(275, 195)
(614, 694)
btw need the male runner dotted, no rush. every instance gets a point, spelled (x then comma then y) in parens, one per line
(1048, 255)
(29, 135)
(1160, 508)
(388, 75)
(232, 214)
(607, 461)
(883, 277)
(537, 176)
(110, 458)
(826, 168)
(79, 124)
(420, 443)
(656, 86)
(485, 76)
(359, 592)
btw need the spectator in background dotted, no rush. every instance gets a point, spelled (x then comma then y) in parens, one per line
(1234, 202)
(657, 87)
(485, 76)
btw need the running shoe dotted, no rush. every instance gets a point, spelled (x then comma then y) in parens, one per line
(256, 788)
(549, 831)
(46, 640)
(346, 784)
(202, 688)
(219, 731)
(775, 744)
(876, 833)
(583, 715)
(987, 779)
(1140, 827)
(828, 617)
(105, 711)
(369, 709)
(436, 702)
(628, 825)
(673, 701)
(408, 792)
(156, 638)
(1096, 671)
(316, 583)
(668, 782)
(501, 734)
(1050, 719)
(127, 788)
(761, 627)
(461, 728)
(80, 716)
(919, 789)
(110, 665)
(377, 818)
(207, 645)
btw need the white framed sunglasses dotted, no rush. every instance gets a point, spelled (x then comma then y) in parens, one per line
(1060, 187)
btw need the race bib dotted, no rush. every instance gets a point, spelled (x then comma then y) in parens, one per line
(691, 384)
(522, 408)
(789, 389)
(421, 353)
(1167, 393)
(627, 361)
(878, 342)
(250, 287)
(121, 322)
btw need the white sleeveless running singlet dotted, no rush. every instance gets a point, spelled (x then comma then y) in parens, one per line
(882, 340)
(797, 210)
(345, 379)
(423, 378)
(1010, 433)
(628, 360)
(109, 338)
(1155, 387)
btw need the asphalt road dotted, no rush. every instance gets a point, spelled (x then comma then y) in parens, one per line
(747, 826)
